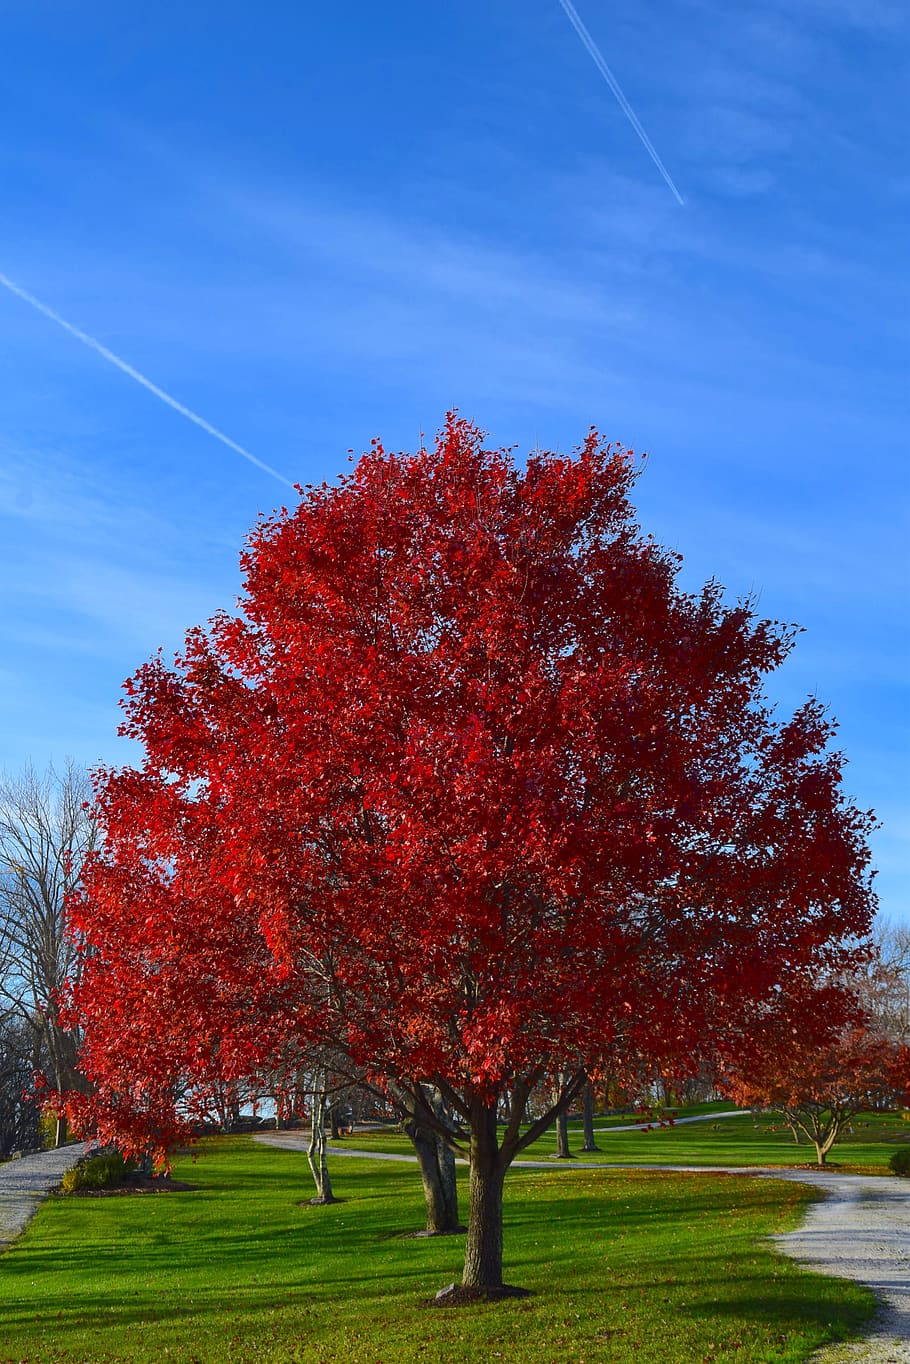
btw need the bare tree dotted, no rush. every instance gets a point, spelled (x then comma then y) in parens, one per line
(46, 832)
(20, 1114)
(883, 985)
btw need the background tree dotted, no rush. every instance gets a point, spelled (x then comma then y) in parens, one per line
(819, 1088)
(589, 1144)
(488, 793)
(435, 1155)
(563, 1151)
(882, 983)
(46, 832)
(20, 1114)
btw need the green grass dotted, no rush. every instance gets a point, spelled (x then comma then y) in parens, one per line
(625, 1266)
(722, 1141)
(737, 1141)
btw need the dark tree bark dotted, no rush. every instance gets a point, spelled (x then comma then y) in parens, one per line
(437, 1172)
(490, 1159)
(483, 1247)
(445, 1166)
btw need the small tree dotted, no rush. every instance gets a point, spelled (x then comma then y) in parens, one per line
(819, 1088)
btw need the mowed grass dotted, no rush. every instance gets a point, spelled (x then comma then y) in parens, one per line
(624, 1266)
(737, 1141)
(714, 1141)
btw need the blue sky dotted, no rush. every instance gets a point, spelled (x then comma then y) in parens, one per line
(317, 224)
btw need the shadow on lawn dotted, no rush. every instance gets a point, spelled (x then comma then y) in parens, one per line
(828, 1312)
(774, 1310)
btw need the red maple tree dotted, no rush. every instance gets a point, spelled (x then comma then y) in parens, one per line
(472, 790)
(820, 1084)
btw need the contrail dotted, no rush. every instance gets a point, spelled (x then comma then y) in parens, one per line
(625, 106)
(140, 378)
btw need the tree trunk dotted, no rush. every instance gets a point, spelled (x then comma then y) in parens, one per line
(437, 1171)
(436, 1162)
(562, 1138)
(589, 1144)
(61, 1131)
(449, 1182)
(424, 1144)
(483, 1245)
(824, 1143)
(445, 1162)
(317, 1145)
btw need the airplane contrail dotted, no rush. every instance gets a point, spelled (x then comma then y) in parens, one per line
(140, 378)
(625, 106)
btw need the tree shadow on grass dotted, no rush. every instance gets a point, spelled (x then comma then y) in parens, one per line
(786, 1308)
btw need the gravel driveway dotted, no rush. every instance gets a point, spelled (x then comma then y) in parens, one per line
(26, 1182)
(861, 1231)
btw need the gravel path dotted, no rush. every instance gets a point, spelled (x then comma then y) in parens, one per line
(25, 1183)
(859, 1231)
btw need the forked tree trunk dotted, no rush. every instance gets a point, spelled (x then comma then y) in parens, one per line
(436, 1162)
(437, 1172)
(483, 1245)
(823, 1145)
(822, 1134)
(589, 1143)
(445, 1164)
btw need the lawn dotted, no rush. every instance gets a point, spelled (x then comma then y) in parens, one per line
(624, 1266)
(715, 1141)
(737, 1141)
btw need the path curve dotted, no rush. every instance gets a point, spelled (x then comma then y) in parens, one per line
(25, 1183)
(859, 1231)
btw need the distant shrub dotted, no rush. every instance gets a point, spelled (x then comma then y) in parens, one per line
(899, 1164)
(96, 1172)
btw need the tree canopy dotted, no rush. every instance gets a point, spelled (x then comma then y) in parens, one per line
(470, 788)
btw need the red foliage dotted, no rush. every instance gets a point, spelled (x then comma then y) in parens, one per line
(470, 788)
(819, 1083)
